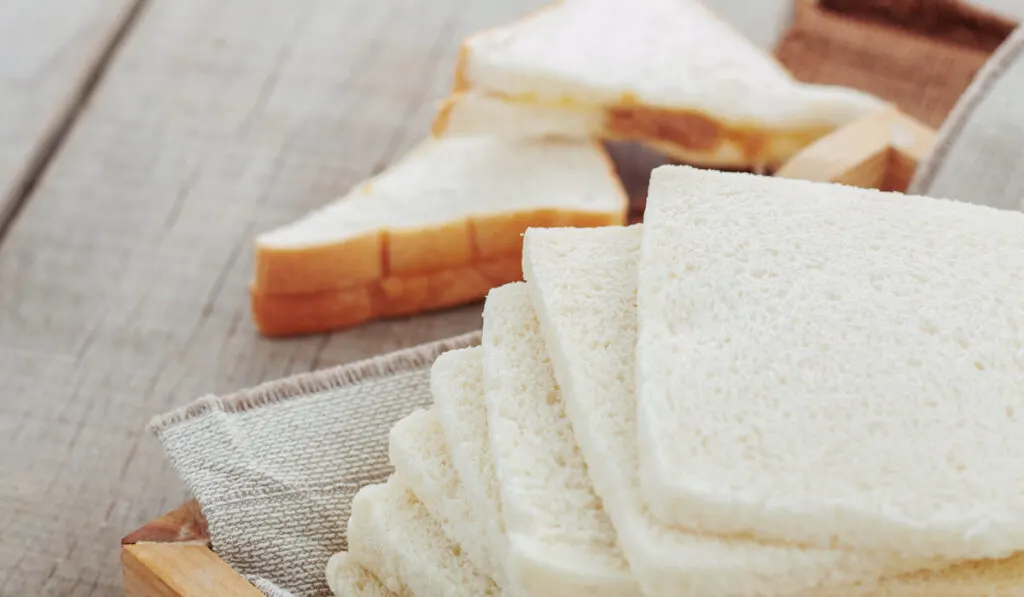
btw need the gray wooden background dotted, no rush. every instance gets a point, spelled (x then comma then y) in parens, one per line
(142, 144)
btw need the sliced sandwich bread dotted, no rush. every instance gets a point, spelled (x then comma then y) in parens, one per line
(391, 534)
(666, 72)
(841, 365)
(583, 288)
(438, 228)
(346, 578)
(420, 456)
(560, 540)
(456, 383)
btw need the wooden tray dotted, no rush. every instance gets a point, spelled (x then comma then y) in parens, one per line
(171, 556)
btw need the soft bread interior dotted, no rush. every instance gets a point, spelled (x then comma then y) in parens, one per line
(801, 330)
(456, 383)
(418, 452)
(392, 535)
(583, 288)
(562, 542)
(346, 578)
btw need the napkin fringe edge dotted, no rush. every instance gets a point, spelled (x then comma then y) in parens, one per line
(304, 384)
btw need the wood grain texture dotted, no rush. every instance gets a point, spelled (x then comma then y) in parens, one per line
(50, 53)
(123, 281)
(179, 570)
(184, 524)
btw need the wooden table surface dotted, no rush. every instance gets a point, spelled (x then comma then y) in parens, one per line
(142, 145)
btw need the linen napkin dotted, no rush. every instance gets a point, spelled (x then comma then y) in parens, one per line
(274, 468)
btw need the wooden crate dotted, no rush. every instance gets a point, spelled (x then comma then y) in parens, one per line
(171, 556)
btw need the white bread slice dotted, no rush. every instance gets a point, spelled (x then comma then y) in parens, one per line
(659, 70)
(468, 113)
(420, 456)
(456, 383)
(391, 534)
(583, 287)
(560, 540)
(840, 365)
(389, 246)
(347, 578)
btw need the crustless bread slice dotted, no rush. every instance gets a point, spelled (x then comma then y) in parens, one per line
(420, 455)
(583, 288)
(391, 534)
(456, 383)
(346, 578)
(560, 541)
(831, 365)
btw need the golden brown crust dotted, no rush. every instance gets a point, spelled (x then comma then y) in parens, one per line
(385, 253)
(313, 268)
(444, 112)
(393, 296)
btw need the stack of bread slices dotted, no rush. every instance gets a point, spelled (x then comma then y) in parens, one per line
(769, 388)
(519, 144)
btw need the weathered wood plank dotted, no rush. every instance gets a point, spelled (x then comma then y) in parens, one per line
(123, 283)
(51, 52)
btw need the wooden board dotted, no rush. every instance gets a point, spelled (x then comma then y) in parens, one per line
(123, 282)
(171, 557)
(876, 152)
(51, 52)
(880, 151)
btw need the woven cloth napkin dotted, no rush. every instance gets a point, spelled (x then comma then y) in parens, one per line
(919, 54)
(274, 468)
(979, 152)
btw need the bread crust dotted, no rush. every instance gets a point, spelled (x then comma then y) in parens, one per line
(392, 296)
(410, 252)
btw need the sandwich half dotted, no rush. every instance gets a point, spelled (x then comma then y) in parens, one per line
(668, 73)
(439, 228)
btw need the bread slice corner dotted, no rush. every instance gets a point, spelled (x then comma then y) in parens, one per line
(800, 330)
(346, 578)
(393, 536)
